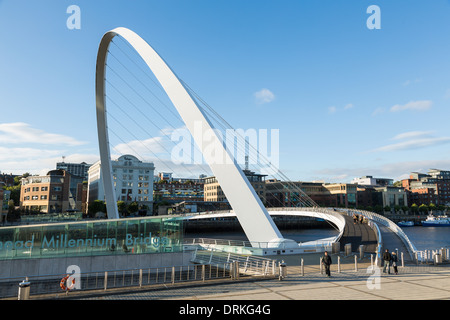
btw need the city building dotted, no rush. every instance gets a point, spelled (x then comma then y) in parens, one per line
(392, 196)
(76, 169)
(289, 193)
(371, 181)
(213, 191)
(7, 179)
(178, 190)
(345, 194)
(433, 187)
(56, 192)
(133, 181)
(4, 202)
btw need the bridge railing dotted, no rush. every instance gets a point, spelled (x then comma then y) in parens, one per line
(246, 264)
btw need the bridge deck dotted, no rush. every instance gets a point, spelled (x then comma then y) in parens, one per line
(358, 234)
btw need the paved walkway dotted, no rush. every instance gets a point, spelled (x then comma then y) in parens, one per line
(421, 282)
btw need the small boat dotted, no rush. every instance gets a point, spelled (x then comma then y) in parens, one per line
(439, 221)
(406, 224)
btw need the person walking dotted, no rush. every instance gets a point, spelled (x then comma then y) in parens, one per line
(387, 261)
(394, 260)
(326, 261)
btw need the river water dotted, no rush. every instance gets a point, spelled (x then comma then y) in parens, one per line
(423, 238)
(428, 238)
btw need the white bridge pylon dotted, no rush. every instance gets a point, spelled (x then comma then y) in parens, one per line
(250, 211)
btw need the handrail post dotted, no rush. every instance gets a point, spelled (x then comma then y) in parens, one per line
(203, 272)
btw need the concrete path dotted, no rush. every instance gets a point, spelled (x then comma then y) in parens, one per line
(422, 282)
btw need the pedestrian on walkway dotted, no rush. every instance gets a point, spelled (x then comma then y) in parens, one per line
(387, 261)
(394, 260)
(326, 261)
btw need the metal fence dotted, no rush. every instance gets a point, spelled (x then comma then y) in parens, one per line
(137, 278)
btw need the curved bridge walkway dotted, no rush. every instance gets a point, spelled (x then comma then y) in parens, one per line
(362, 234)
(358, 234)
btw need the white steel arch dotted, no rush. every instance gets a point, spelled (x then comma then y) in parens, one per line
(251, 213)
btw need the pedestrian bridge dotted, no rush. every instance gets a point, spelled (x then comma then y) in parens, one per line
(375, 233)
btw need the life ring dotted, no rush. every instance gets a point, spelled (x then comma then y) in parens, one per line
(63, 283)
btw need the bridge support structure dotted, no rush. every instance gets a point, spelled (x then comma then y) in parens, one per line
(250, 211)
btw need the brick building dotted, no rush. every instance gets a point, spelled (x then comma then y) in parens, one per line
(56, 192)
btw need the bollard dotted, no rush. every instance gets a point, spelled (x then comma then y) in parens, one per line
(361, 248)
(321, 267)
(443, 254)
(348, 249)
(24, 290)
(403, 260)
(356, 263)
(339, 264)
(335, 247)
(283, 270)
(106, 281)
(302, 267)
(437, 258)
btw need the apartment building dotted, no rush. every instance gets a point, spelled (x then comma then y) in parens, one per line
(133, 181)
(56, 192)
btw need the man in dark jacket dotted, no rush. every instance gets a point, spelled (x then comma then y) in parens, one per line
(326, 261)
(387, 261)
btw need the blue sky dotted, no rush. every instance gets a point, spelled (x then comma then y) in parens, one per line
(348, 101)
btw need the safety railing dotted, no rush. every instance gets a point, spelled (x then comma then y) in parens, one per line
(127, 279)
(248, 264)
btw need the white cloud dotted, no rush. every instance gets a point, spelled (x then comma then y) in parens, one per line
(348, 106)
(412, 134)
(332, 109)
(421, 105)
(413, 140)
(408, 82)
(396, 170)
(264, 96)
(142, 148)
(20, 132)
(378, 111)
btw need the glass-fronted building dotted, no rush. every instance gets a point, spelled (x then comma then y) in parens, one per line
(88, 238)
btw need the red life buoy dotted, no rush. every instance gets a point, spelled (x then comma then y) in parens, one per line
(64, 286)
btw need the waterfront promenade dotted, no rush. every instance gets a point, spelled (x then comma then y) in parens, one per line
(414, 282)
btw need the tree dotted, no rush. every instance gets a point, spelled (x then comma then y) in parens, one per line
(133, 207)
(423, 208)
(414, 208)
(122, 207)
(96, 206)
(432, 206)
